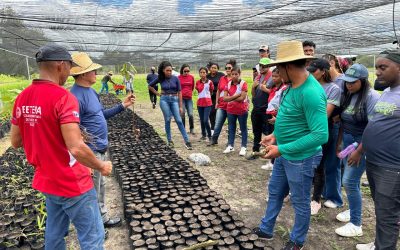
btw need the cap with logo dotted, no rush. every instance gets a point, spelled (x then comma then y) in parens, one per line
(355, 72)
(320, 64)
(53, 52)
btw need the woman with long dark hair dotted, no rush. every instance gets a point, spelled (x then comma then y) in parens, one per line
(187, 85)
(333, 174)
(235, 95)
(220, 104)
(204, 87)
(214, 76)
(319, 68)
(357, 103)
(170, 101)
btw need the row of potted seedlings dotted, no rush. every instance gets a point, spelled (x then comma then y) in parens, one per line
(167, 203)
(22, 209)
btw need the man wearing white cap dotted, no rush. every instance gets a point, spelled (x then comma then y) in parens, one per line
(263, 52)
(93, 120)
(301, 128)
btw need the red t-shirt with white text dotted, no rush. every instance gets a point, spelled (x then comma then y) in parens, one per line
(237, 107)
(39, 112)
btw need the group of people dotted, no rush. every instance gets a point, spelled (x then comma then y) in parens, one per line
(308, 110)
(65, 137)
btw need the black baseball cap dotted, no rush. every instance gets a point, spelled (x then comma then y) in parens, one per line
(53, 52)
(318, 64)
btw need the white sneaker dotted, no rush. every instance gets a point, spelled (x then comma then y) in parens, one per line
(243, 151)
(369, 246)
(349, 230)
(344, 216)
(315, 207)
(330, 204)
(268, 166)
(229, 149)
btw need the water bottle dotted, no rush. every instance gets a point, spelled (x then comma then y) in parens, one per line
(347, 151)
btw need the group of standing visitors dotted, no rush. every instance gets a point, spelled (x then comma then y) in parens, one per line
(308, 110)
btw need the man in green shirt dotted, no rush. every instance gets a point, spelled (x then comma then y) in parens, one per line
(301, 128)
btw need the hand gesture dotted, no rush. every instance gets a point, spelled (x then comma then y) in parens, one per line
(129, 100)
(268, 140)
(354, 158)
(107, 168)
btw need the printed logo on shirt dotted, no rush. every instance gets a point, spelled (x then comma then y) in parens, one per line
(385, 108)
(76, 114)
(31, 114)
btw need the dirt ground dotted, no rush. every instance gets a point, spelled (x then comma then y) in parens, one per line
(244, 186)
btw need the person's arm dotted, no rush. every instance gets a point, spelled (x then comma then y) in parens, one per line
(242, 96)
(151, 86)
(16, 138)
(128, 101)
(80, 151)
(217, 98)
(230, 98)
(339, 140)
(329, 109)
(314, 105)
(264, 86)
(254, 86)
(355, 156)
(180, 102)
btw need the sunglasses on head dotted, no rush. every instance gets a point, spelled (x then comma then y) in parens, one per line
(228, 68)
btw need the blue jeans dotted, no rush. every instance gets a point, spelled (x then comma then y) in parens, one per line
(219, 123)
(104, 86)
(232, 128)
(333, 175)
(296, 176)
(170, 107)
(204, 114)
(351, 181)
(83, 211)
(188, 107)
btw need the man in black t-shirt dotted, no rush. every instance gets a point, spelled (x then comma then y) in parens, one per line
(260, 93)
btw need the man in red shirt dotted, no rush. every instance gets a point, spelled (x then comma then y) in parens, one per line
(45, 122)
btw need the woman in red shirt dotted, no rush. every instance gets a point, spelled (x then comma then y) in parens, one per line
(220, 104)
(187, 85)
(204, 102)
(235, 95)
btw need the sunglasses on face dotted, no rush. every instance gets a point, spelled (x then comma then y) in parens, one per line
(186, 71)
(264, 66)
(228, 68)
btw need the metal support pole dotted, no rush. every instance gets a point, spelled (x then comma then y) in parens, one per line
(27, 67)
(240, 53)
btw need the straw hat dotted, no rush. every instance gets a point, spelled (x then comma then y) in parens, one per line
(83, 64)
(289, 51)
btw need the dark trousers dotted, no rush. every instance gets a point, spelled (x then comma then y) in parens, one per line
(385, 190)
(213, 112)
(258, 122)
(153, 97)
